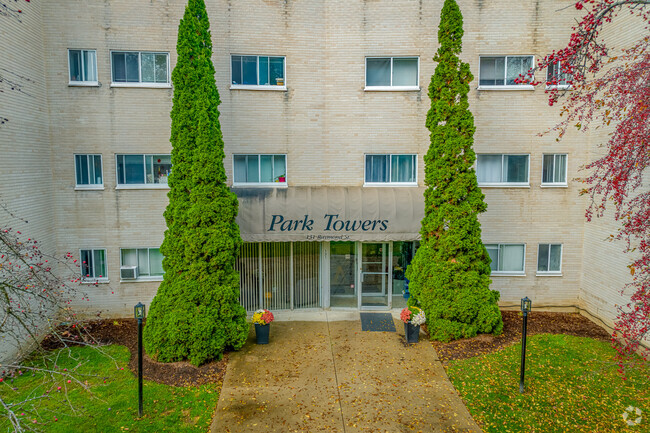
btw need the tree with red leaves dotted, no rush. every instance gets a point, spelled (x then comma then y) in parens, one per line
(600, 87)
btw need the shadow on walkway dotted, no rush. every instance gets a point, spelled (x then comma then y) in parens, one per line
(333, 377)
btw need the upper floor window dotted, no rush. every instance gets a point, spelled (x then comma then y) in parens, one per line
(391, 169)
(93, 264)
(258, 71)
(507, 258)
(143, 170)
(141, 263)
(554, 170)
(504, 70)
(556, 77)
(82, 65)
(392, 73)
(502, 170)
(549, 258)
(88, 171)
(270, 170)
(139, 68)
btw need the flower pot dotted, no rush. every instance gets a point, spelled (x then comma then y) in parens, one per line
(262, 333)
(412, 333)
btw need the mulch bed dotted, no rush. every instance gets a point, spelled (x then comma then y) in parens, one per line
(125, 333)
(538, 323)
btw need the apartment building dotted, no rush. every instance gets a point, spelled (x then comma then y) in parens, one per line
(323, 108)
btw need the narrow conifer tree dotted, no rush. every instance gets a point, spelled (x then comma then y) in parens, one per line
(450, 273)
(196, 312)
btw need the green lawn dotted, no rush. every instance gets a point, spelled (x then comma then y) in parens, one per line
(572, 385)
(112, 403)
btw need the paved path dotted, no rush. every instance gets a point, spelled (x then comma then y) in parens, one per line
(333, 377)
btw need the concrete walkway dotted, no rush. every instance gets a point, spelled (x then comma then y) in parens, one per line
(333, 377)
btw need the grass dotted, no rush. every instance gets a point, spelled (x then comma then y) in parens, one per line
(112, 403)
(572, 385)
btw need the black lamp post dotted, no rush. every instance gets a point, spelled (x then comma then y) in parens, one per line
(526, 306)
(139, 312)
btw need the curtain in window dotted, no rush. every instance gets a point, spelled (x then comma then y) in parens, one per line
(547, 168)
(119, 68)
(515, 168)
(240, 168)
(82, 169)
(489, 168)
(493, 252)
(99, 264)
(132, 67)
(263, 70)
(155, 262)
(148, 67)
(249, 276)
(129, 257)
(517, 65)
(276, 276)
(266, 168)
(405, 72)
(492, 71)
(143, 262)
(134, 168)
(512, 258)
(236, 70)
(160, 74)
(279, 166)
(378, 72)
(75, 65)
(276, 71)
(556, 258)
(542, 258)
(377, 168)
(402, 168)
(306, 275)
(90, 65)
(559, 176)
(249, 70)
(252, 169)
(97, 165)
(86, 264)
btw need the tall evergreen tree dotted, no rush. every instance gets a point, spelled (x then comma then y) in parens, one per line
(450, 273)
(196, 312)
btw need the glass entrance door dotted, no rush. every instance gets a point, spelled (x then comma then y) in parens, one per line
(375, 276)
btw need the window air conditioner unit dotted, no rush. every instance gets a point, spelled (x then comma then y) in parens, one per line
(129, 272)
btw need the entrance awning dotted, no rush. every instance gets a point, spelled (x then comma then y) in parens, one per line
(330, 214)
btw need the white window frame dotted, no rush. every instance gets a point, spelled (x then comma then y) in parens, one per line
(390, 88)
(140, 277)
(83, 83)
(521, 273)
(94, 186)
(505, 71)
(91, 280)
(390, 170)
(504, 184)
(257, 70)
(144, 185)
(259, 168)
(166, 85)
(566, 172)
(558, 86)
(548, 261)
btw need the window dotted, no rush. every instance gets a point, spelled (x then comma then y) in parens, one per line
(268, 170)
(507, 258)
(83, 67)
(147, 260)
(258, 71)
(502, 170)
(88, 171)
(556, 77)
(392, 73)
(504, 70)
(93, 265)
(150, 170)
(140, 68)
(549, 258)
(391, 169)
(554, 170)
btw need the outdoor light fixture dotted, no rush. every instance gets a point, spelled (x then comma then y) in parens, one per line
(526, 306)
(139, 312)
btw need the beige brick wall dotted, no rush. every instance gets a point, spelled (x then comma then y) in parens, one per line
(325, 122)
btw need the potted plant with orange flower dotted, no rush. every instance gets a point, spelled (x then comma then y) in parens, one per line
(262, 318)
(412, 317)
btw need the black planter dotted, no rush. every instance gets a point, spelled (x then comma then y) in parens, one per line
(262, 333)
(412, 333)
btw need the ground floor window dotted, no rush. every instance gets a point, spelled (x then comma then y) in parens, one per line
(279, 275)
